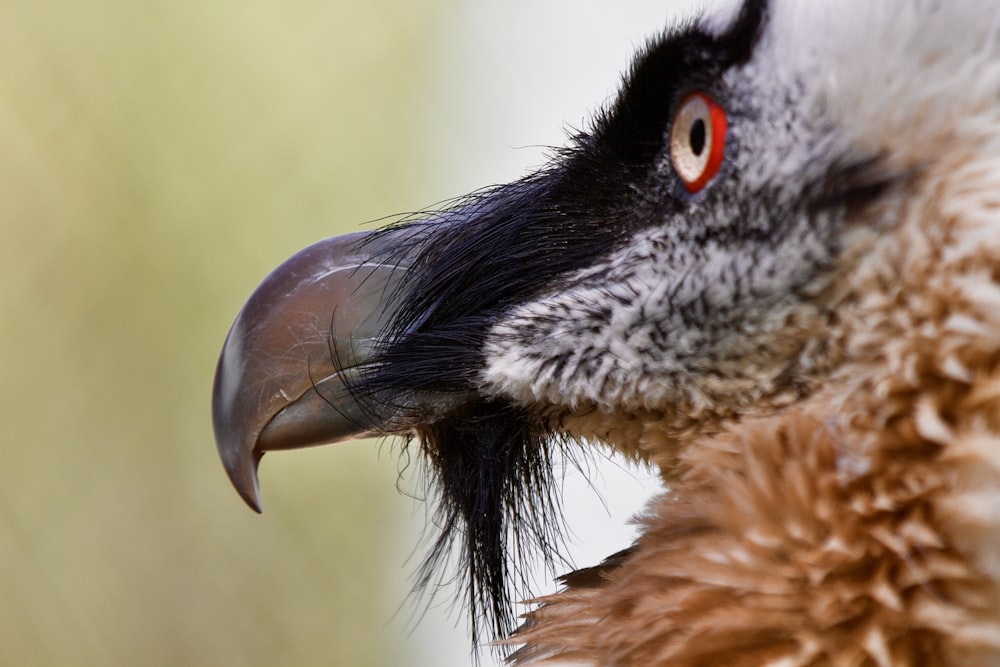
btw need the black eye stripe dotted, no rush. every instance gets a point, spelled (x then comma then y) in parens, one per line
(629, 134)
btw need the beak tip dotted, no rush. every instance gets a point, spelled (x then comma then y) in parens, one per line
(242, 471)
(251, 496)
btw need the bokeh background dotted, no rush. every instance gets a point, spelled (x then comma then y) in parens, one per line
(157, 159)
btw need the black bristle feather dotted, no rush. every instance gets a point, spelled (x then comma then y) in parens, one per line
(494, 472)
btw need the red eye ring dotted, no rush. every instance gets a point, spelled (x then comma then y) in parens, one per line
(697, 140)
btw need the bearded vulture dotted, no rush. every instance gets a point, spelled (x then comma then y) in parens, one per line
(770, 269)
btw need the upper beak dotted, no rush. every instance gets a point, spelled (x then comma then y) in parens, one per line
(286, 368)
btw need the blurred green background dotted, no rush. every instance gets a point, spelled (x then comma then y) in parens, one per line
(157, 159)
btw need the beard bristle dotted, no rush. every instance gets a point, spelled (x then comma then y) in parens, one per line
(493, 475)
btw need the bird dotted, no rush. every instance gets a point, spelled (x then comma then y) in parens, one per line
(769, 269)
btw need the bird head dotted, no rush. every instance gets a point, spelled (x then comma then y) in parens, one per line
(725, 240)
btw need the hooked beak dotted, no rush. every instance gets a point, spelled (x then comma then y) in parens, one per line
(284, 376)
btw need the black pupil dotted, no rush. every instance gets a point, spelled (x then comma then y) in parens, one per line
(698, 136)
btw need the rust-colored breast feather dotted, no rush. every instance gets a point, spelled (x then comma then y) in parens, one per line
(778, 546)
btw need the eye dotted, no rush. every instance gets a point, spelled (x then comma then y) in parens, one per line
(697, 140)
